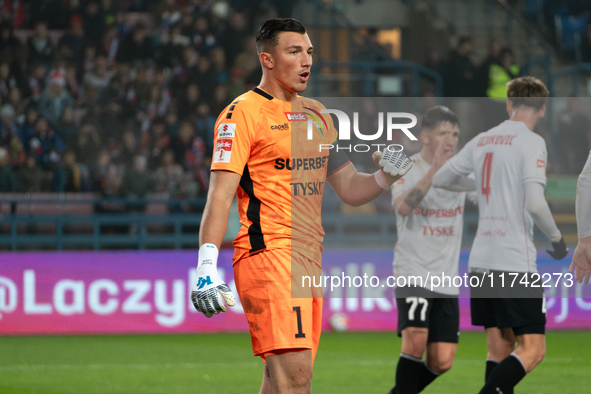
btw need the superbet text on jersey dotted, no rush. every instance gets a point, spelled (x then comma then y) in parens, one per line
(503, 159)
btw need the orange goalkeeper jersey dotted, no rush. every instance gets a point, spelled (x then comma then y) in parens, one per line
(266, 141)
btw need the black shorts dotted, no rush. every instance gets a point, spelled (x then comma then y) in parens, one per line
(522, 309)
(419, 307)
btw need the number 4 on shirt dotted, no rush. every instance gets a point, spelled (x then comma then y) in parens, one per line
(486, 169)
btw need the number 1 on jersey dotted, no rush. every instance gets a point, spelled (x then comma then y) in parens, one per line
(486, 169)
(298, 312)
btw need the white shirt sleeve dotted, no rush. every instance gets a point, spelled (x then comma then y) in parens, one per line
(463, 163)
(403, 184)
(536, 204)
(534, 162)
(583, 202)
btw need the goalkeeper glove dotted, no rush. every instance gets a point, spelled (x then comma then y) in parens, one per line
(210, 291)
(559, 249)
(393, 165)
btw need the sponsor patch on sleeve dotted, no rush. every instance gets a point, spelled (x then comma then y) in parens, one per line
(227, 130)
(223, 150)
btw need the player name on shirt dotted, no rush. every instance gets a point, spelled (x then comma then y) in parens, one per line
(496, 140)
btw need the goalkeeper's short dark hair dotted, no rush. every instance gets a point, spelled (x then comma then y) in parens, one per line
(528, 92)
(268, 35)
(437, 115)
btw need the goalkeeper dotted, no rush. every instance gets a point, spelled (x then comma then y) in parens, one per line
(279, 186)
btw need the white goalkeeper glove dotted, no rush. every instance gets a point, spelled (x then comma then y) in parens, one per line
(210, 291)
(393, 165)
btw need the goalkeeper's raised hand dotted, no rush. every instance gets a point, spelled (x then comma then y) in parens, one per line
(393, 164)
(210, 291)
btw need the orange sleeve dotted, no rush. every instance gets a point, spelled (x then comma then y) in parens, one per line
(234, 136)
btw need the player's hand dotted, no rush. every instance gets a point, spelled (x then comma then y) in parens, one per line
(210, 291)
(394, 164)
(442, 153)
(559, 249)
(581, 264)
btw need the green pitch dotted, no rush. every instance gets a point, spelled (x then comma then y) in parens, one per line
(222, 363)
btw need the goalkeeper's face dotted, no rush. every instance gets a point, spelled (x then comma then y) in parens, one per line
(292, 60)
(444, 133)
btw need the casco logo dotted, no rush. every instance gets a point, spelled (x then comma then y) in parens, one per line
(8, 296)
(283, 126)
(296, 116)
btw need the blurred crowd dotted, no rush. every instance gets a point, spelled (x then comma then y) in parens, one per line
(118, 97)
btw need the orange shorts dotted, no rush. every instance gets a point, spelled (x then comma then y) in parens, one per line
(278, 322)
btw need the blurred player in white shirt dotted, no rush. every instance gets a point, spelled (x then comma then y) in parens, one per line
(509, 162)
(429, 225)
(581, 264)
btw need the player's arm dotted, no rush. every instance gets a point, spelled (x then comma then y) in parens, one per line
(210, 291)
(537, 206)
(214, 222)
(453, 175)
(581, 264)
(411, 198)
(446, 178)
(356, 188)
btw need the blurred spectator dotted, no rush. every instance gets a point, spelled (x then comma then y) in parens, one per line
(218, 65)
(94, 22)
(30, 177)
(70, 176)
(8, 126)
(66, 128)
(205, 125)
(494, 52)
(39, 45)
(170, 176)
(159, 142)
(137, 183)
(248, 59)
(73, 85)
(16, 152)
(575, 133)
(46, 145)
(237, 83)
(110, 44)
(7, 80)
(183, 143)
(37, 82)
(500, 73)
(434, 60)
(461, 72)
(10, 47)
(173, 46)
(55, 98)
(87, 144)
(19, 104)
(232, 35)
(220, 99)
(97, 79)
(7, 177)
(106, 175)
(202, 37)
(203, 76)
(138, 45)
(71, 45)
(188, 105)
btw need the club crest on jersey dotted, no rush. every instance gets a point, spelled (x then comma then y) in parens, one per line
(315, 118)
(223, 150)
(227, 130)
